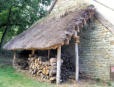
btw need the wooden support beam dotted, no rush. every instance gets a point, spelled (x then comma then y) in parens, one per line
(14, 59)
(33, 52)
(77, 60)
(58, 76)
(48, 54)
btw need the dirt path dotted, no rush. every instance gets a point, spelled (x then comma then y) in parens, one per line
(86, 83)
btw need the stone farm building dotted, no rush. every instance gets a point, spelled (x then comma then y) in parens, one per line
(91, 55)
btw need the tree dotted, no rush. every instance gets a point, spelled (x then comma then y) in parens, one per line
(18, 15)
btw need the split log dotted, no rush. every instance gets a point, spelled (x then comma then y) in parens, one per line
(45, 70)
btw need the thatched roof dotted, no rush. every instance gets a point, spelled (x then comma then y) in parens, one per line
(51, 32)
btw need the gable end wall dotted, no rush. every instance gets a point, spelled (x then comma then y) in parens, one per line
(96, 51)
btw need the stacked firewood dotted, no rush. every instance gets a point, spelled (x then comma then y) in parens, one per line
(46, 69)
(43, 67)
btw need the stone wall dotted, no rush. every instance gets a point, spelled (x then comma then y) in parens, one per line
(96, 51)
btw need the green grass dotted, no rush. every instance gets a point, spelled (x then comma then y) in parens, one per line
(10, 78)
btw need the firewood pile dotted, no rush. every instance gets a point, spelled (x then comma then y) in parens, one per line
(42, 67)
(46, 68)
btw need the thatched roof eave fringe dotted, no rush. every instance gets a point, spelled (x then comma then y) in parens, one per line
(48, 48)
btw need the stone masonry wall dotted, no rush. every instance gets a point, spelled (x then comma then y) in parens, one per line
(96, 51)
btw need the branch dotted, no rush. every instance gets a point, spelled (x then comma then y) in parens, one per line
(51, 8)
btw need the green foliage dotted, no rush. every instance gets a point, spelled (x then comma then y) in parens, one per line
(0, 35)
(98, 79)
(4, 15)
(22, 15)
(109, 83)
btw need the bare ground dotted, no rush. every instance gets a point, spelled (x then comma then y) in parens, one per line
(85, 83)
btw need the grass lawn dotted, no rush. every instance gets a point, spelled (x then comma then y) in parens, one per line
(10, 78)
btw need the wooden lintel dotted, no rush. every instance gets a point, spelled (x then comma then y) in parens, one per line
(58, 76)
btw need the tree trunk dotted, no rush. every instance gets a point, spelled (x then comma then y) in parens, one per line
(7, 25)
(3, 37)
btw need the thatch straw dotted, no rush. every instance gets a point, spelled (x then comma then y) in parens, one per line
(51, 32)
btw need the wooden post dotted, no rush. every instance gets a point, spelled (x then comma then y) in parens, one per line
(48, 54)
(58, 76)
(77, 60)
(33, 51)
(14, 59)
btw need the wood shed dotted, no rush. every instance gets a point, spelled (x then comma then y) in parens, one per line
(54, 32)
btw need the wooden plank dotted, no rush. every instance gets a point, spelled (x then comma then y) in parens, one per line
(77, 60)
(58, 76)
